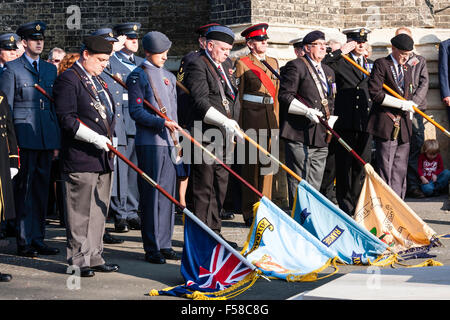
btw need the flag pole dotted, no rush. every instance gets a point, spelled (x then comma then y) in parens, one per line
(187, 135)
(144, 176)
(395, 94)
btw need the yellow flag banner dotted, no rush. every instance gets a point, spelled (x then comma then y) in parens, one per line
(382, 212)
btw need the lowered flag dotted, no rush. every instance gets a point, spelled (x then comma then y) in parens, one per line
(388, 217)
(210, 270)
(334, 228)
(281, 248)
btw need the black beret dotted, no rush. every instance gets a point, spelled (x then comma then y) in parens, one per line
(313, 36)
(403, 42)
(97, 44)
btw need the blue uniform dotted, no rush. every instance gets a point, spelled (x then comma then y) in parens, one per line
(154, 147)
(125, 194)
(38, 135)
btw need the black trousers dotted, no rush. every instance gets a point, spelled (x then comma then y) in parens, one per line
(209, 189)
(350, 174)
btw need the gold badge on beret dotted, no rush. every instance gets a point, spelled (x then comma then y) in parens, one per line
(135, 27)
(362, 32)
(38, 27)
(11, 39)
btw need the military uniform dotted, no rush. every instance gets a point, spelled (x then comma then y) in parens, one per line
(209, 181)
(8, 42)
(154, 147)
(352, 106)
(259, 111)
(37, 134)
(125, 195)
(87, 168)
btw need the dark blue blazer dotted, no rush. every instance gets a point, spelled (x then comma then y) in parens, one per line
(73, 103)
(443, 70)
(34, 115)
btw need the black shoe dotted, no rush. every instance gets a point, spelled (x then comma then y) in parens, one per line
(46, 250)
(156, 257)
(134, 223)
(27, 251)
(86, 272)
(416, 193)
(106, 268)
(226, 215)
(170, 254)
(109, 239)
(231, 243)
(121, 226)
(4, 277)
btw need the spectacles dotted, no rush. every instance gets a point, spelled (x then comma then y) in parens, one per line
(320, 44)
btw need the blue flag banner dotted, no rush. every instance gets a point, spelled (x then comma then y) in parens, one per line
(209, 269)
(334, 228)
(282, 248)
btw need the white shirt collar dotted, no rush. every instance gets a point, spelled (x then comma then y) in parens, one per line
(84, 70)
(395, 63)
(314, 63)
(356, 58)
(215, 63)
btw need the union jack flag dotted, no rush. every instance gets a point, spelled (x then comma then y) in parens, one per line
(225, 269)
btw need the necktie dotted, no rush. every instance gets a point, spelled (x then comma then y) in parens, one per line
(358, 61)
(132, 60)
(226, 81)
(400, 79)
(35, 66)
(322, 79)
(103, 98)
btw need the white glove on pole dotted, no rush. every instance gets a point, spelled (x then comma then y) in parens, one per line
(215, 117)
(296, 107)
(404, 105)
(13, 172)
(88, 135)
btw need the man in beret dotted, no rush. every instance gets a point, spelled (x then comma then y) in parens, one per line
(352, 106)
(37, 134)
(85, 110)
(156, 140)
(307, 92)
(211, 82)
(258, 93)
(125, 195)
(390, 117)
(420, 83)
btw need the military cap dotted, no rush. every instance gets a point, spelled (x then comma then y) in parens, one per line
(32, 30)
(220, 33)
(403, 42)
(357, 34)
(8, 41)
(156, 42)
(256, 32)
(313, 36)
(203, 29)
(106, 33)
(97, 44)
(130, 29)
(297, 43)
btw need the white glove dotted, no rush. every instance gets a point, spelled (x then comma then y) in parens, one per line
(215, 117)
(404, 105)
(13, 171)
(88, 135)
(296, 107)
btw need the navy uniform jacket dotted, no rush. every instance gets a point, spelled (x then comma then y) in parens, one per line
(120, 66)
(150, 129)
(34, 116)
(296, 79)
(73, 103)
(185, 102)
(444, 65)
(353, 102)
(380, 124)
